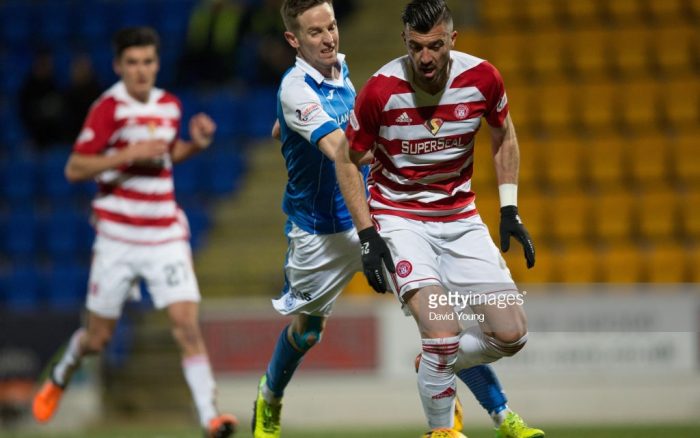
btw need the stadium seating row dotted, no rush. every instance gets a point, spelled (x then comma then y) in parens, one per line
(588, 55)
(515, 14)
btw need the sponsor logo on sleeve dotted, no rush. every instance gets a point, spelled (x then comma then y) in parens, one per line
(307, 113)
(502, 103)
(86, 135)
(353, 121)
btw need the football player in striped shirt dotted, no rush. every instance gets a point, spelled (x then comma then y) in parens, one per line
(129, 143)
(418, 117)
(315, 101)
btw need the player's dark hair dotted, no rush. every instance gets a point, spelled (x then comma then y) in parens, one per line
(423, 15)
(291, 9)
(134, 37)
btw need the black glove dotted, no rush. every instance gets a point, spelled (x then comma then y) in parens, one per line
(374, 252)
(511, 225)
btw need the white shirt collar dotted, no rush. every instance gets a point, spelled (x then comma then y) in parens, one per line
(315, 74)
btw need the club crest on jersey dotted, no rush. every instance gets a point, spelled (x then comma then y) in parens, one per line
(461, 111)
(151, 127)
(404, 268)
(434, 125)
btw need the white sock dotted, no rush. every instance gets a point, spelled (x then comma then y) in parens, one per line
(499, 417)
(202, 386)
(436, 380)
(474, 350)
(269, 395)
(70, 360)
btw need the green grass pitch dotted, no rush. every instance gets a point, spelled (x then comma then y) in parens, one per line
(675, 431)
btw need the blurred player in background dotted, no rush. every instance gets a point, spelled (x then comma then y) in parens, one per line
(315, 101)
(129, 143)
(417, 117)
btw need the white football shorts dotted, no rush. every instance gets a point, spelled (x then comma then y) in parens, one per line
(459, 256)
(317, 269)
(117, 268)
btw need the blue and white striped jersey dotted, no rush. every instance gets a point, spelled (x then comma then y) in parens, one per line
(309, 107)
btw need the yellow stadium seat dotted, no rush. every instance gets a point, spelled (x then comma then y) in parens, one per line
(534, 210)
(598, 107)
(693, 260)
(547, 53)
(649, 159)
(623, 11)
(657, 214)
(672, 50)
(613, 216)
(666, 263)
(561, 162)
(589, 54)
(542, 272)
(578, 264)
(530, 152)
(358, 285)
(606, 161)
(570, 217)
(689, 210)
(685, 159)
(502, 15)
(555, 105)
(682, 104)
(665, 10)
(622, 263)
(541, 13)
(505, 52)
(640, 106)
(581, 11)
(630, 52)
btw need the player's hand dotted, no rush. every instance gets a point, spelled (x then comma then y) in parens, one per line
(202, 129)
(146, 151)
(511, 225)
(374, 254)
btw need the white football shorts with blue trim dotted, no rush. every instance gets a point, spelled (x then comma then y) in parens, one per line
(318, 268)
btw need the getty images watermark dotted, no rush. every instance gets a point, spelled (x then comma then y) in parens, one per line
(459, 301)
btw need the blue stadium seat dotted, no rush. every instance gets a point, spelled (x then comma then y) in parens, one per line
(127, 13)
(22, 288)
(53, 21)
(171, 17)
(260, 108)
(61, 234)
(21, 234)
(66, 286)
(15, 22)
(92, 24)
(199, 221)
(18, 180)
(52, 180)
(228, 113)
(186, 177)
(225, 170)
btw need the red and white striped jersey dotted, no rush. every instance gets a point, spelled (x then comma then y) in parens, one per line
(134, 203)
(423, 144)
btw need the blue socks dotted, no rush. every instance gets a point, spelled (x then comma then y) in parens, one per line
(284, 362)
(484, 384)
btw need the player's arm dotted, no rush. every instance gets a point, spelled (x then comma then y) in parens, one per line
(375, 253)
(83, 167)
(335, 147)
(202, 129)
(506, 156)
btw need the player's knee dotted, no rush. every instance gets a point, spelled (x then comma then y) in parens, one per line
(310, 334)
(186, 332)
(507, 344)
